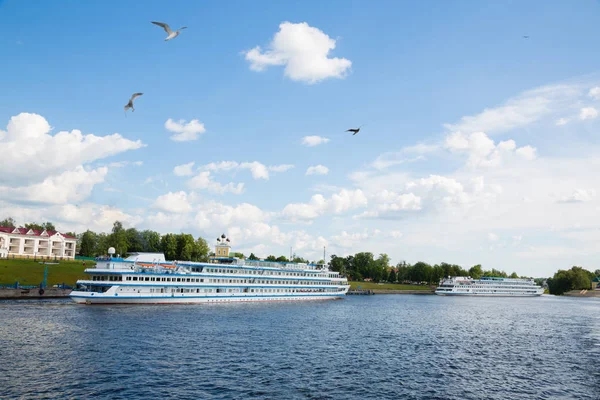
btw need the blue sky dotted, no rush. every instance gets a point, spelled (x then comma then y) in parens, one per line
(420, 73)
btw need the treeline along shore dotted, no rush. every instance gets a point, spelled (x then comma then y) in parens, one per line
(362, 269)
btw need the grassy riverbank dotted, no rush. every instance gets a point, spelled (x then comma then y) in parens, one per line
(387, 286)
(30, 272)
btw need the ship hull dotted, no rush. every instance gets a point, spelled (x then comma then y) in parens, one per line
(98, 298)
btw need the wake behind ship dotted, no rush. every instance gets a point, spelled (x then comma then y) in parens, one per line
(149, 279)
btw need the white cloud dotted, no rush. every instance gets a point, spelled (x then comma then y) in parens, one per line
(185, 132)
(70, 186)
(578, 196)
(595, 93)
(173, 202)
(203, 180)
(30, 154)
(338, 203)
(312, 141)
(483, 152)
(122, 164)
(588, 113)
(562, 121)
(257, 169)
(492, 237)
(522, 110)
(184, 169)
(281, 167)
(317, 170)
(304, 51)
(387, 205)
(527, 152)
(349, 240)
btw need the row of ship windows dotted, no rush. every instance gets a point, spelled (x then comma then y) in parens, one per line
(111, 278)
(223, 290)
(256, 272)
(486, 287)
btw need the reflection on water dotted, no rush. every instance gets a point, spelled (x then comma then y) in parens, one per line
(394, 346)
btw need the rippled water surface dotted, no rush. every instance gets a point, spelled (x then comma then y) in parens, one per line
(383, 346)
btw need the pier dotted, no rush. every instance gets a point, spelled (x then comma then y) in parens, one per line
(363, 292)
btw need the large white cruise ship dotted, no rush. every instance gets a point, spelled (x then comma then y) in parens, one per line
(488, 286)
(139, 279)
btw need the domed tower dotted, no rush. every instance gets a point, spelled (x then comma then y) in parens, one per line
(222, 247)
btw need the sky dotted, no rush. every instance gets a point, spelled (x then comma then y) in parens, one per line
(477, 145)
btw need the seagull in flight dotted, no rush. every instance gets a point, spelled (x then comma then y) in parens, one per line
(130, 104)
(167, 28)
(525, 37)
(355, 130)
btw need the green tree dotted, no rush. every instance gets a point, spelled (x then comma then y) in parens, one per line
(392, 275)
(185, 246)
(337, 264)
(576, 278)
(300, 260)
(513, 275)
(8, 222)
(150, 241)
(168, 245)
(102, 244)
(201, 250)
(88, 244)
(597, 272)
(118, 238)
(281, 259)
(476, 271)
(252, 257)
(271, 258)
(135, 242)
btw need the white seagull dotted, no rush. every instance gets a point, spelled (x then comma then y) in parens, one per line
(167, 29)
(130, 104)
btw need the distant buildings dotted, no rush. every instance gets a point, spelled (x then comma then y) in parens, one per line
(29, 243)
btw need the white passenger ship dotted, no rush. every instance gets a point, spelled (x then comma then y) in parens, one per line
(488, 286)
(147, 278)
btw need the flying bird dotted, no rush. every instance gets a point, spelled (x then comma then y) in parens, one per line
(130, 104)
(167, 29)
(525, 37)
(354, 130)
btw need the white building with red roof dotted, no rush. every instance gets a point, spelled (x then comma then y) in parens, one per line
(23, 242)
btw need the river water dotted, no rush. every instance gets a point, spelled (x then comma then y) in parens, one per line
(361, 347)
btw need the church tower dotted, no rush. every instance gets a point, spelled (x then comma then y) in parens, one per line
(222, 247)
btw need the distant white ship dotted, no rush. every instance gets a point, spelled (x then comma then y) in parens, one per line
(148, 279)
(488, 286)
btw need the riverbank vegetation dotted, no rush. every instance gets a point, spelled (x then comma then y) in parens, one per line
(575, 278)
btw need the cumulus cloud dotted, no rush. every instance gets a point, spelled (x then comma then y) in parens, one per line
(594, 93)
(303, 50)
(173, 202)
(387, 205)
(70, 186)
(30, 153)
(482, 151)
(203, 180)
(318, 205)
(185, 132)
(98, 218)
(578, 196)
(317, 170)
(257, 169)
(588, 113)
(184, 169)
(312, 141)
